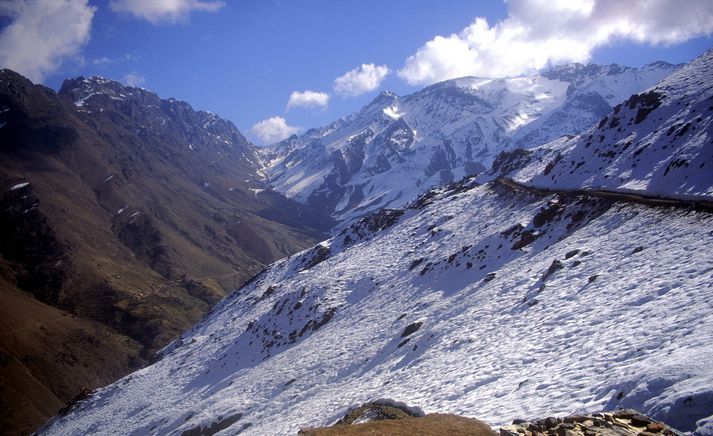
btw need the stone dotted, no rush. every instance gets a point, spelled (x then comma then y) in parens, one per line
(640, 420)
(655, 427)
(551, 421)
(574, 418)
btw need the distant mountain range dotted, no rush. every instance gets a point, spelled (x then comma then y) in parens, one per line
(569, 278)
(396, 148)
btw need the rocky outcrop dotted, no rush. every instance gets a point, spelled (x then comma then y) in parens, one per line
(617, 423)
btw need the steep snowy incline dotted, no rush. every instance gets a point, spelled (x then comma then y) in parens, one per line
(659, 142)
(398, 147)
(477, 301)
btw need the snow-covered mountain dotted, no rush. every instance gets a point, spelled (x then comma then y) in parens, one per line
(657, 142)
(396, 148)
(476, 299)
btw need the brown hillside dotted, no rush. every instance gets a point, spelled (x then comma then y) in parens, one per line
(129, 218)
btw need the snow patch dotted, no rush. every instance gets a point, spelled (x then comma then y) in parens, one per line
(392, 112)
(19, 186)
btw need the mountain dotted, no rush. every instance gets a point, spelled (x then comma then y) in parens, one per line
(488, 298)
(396, 148)
(124, 218)
(655, 143)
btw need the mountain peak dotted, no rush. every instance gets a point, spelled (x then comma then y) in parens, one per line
(577, 72)
(8, 74)
(659, 64)
(384, 97)
(80, 89)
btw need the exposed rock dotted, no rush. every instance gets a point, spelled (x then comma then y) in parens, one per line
(411, 329)
(526, 238)
(646, 102)
(215, 427)
(555, 266)
(507, 161)
(318, 254)
(617, 423)
(489, 277)
(547, 214)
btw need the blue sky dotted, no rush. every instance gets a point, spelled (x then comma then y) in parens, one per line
(244, 59)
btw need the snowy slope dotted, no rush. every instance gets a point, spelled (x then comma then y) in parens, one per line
(398, 147)
(627, 322)
(476, 300)
(658, 142)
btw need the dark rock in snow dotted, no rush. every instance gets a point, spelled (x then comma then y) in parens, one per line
(554, 267)
(411, 328)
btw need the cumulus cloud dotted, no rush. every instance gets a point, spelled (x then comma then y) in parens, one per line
(361, 80)
(307, 99)
(42, 34)
(273, 129)
(164, 11)
(538, 33)
(134, 79)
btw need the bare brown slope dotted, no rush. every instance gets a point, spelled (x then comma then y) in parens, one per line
(133, 216)
(435, 424)
(45, 353)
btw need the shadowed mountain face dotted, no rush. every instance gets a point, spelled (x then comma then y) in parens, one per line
(124, 218)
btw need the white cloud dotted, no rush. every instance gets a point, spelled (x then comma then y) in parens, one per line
(165, 11)
(308, 99)
(361, 80)
(102, 61)
(105, 60)
(42, 34)
(538, 33)
(134, 79)
(273, 129)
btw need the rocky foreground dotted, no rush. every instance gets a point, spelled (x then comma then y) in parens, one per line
(388, 418)
(619, 422)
